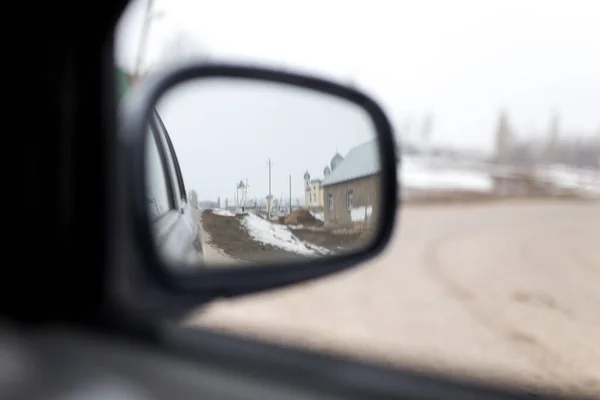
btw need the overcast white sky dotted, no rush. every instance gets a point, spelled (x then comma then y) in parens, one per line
(225, 131)
(462, 59)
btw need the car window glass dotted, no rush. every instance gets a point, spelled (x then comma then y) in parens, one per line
(159, 196)
(493, 272)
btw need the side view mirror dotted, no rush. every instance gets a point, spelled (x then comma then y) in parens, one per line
(243, 178)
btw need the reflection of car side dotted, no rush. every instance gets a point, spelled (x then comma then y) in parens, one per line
(174, 219)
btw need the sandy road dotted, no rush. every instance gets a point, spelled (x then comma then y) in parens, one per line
(508, 290)
(212, 254)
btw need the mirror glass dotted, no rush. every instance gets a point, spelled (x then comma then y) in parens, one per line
(242, 172)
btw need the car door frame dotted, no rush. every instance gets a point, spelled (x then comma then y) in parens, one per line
(170, 162)
(162, 131)
(168, 219)
(181, 222)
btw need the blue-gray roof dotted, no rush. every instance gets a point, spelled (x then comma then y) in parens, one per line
(361, 161)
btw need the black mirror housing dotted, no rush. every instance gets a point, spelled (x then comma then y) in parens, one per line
(137, 109)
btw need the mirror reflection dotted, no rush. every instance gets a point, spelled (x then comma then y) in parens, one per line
(241, 172)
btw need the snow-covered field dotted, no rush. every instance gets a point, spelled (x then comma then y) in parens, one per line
(421, 174)
(567, 177)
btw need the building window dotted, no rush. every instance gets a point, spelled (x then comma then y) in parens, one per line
(330, 201)
(349, 197)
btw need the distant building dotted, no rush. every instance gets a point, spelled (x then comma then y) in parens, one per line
(351, 192)
(313, 188)
(313, 192)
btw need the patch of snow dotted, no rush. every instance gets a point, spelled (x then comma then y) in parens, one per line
(223, 213)
(318, 215)
(279, 236)
(360, 214)
(415, 173)
(568, 177)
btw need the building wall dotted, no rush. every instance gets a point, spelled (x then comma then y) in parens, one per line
(317, 194)
(313, 195)
(366, 193)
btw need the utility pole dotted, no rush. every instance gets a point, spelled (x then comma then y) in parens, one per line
(503, 139)
(290, 194)
(269, 177)
(550, 149)
(426, 131)
(270, 197)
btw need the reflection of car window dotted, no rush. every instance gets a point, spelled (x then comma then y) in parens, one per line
(159, 198)
(178, 188)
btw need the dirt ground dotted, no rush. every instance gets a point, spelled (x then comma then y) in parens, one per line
(506, 292)
(228, 235)
(328, 240)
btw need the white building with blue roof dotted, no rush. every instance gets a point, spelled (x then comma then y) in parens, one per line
(351, 190)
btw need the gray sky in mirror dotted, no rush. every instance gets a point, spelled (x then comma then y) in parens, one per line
(461, 59)
(226, 130)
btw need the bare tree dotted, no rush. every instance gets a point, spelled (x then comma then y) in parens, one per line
(503, 138)
(549, 151)
(427, 130)
(579, 151)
